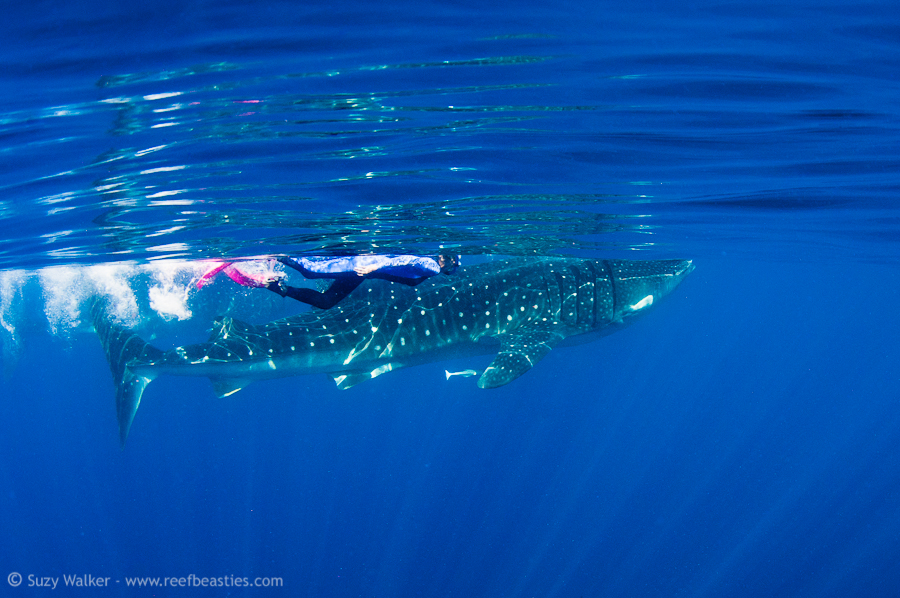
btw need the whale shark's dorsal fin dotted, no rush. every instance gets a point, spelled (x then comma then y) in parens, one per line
(519, 352)
(226, 326)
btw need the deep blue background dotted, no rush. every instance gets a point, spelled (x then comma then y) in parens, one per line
(741, 440)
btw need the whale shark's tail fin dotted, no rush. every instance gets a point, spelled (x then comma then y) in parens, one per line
(124, 351)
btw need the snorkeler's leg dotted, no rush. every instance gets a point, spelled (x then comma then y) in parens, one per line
(339, 289)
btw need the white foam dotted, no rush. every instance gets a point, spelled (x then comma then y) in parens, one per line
(146, 297)
(11, 283)
(173, 281)
(113, 282)
(63, 292)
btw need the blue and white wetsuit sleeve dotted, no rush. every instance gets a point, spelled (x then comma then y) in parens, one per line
(325, 267)
(406, 268)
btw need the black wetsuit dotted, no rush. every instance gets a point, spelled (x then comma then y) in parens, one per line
(406, 269)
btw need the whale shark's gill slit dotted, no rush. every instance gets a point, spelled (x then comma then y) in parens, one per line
(594, 306)
(560, 287)
(577, 294)
(612, 286)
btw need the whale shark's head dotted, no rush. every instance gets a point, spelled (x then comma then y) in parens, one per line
(641, 284)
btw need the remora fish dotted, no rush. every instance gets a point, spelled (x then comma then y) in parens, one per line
(519, 309)
(462, 374)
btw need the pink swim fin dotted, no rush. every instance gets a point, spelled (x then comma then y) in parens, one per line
(214, 269)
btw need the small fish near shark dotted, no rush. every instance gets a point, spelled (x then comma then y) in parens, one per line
(462, 374)
(518, 309)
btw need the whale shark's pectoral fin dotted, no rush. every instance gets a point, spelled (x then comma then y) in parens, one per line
(519, 352)
(345, 380)
(225, 387)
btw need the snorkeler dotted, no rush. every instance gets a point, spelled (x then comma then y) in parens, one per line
(349, 272)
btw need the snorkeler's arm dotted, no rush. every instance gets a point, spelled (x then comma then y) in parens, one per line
(408, 267)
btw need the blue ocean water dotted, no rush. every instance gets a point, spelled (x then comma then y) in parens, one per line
(743, 439)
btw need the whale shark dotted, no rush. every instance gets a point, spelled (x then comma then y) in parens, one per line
(518, 310)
